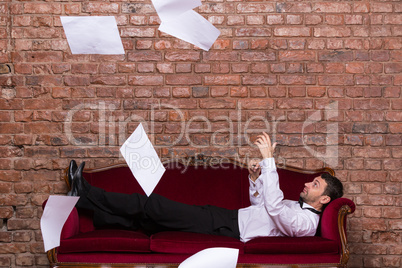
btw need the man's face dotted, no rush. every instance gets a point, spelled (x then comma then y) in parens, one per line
(312, 192)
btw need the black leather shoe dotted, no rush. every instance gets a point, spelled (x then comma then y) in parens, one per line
(80, 185)
(70, 173)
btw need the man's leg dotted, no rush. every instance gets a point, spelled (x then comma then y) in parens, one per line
(155, 213)
(199, 219)
(113, 208)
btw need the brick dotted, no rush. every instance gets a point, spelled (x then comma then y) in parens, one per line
(181, 92)
(361, 7)
(221, 44)
(335, 80)
(240, 67)
(137, 8)
(216, 20)
(316, 44)
(294, 19)
(332, 7)
(292, 31)
(200, 92)
(143, 44)
(354, 44)
(235, 20)
(391, 68)
(44, 56)
(219, 91)
(355, 68)
(257, 92)
(253, 32)
(259, 44)
(395, 128)
(296, 55)
(380, 7)
(377, 31)
(240, 44)
(182, 56)
(332, 32)
(111, 8)
(145, 67)
(202, 68)
(392, 43)
(220, 56)
(278, 68)
(334, 67)
(293, 7)
(42, 8)
(145, 80)
(180, 103)
(265, 104)
(297, 80)
(255, 20)
(220, 68)
(259, 80)
(334, 19)
(259, 68)
(258, 56)
(222, 80)
(183, 80)
(108, 80)
(138, 32)
(313, 19)
(165, 67)
(275, 19)
(218, 104)
(255, 8)
(144, 56)
(294, 104)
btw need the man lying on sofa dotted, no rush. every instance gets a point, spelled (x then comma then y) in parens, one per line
(268, 215)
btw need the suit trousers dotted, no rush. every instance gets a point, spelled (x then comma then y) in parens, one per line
(157, 213)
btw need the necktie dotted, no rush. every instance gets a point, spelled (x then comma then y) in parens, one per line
(311, 209)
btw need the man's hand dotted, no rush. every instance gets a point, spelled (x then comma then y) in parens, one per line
(254, 169)
(263, 143)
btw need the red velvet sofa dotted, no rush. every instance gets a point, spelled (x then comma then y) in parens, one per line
(200, 181)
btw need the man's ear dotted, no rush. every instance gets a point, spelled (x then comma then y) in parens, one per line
(325, 199)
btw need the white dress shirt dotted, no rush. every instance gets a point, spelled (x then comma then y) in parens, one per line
(271, 215)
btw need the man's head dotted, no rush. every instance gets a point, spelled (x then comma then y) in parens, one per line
(321, 191)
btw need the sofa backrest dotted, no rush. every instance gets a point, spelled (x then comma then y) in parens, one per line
(223, 184)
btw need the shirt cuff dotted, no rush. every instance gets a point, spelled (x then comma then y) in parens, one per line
(267, 164)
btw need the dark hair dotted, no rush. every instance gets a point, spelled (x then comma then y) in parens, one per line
(334, 187)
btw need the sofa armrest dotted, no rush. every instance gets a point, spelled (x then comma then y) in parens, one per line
(333, 224)
(71, 226)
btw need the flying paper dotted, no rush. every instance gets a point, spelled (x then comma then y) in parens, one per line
(142, 160)
(193, 28)
(212, 258)
(55, 214)
(179, 20)
(170, 9)
(92, 35)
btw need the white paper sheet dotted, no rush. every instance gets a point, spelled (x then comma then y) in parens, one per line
(55, 214)
(92, 35)
(212, 258)
(170, 9)
(142, 160)
(193, 28)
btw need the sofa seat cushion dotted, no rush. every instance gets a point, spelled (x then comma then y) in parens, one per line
(190, 243)
(290, 245)
(106, 240)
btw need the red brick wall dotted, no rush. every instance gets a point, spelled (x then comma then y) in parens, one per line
(277, 66)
